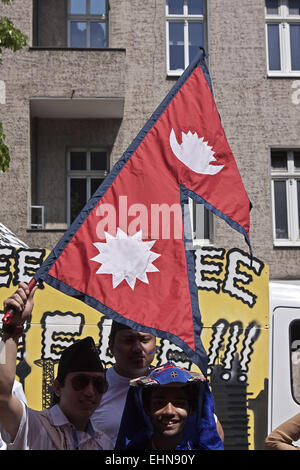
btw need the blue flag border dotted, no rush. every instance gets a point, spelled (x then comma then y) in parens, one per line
(198, 356)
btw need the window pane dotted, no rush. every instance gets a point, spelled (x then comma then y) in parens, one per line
(176, 41)
(295, 46)
(78, 34)
(77, 160)
(298, 196)
(175, 7)
(294, 7)
(200, 221)
(272, 7)
(95, 183)
(295, 358)
(280, 209)
(195, 39)
(195, 7)
(279, 160)
(98, 161)
(36, 217)
(98, 38)
(297, 160)
(78, 196)
(78, 7)
(274, 47)
(97, 7)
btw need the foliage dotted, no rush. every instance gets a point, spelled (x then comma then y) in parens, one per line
(10, 38)
(4, 152)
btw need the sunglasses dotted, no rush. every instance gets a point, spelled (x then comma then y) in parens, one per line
(81, 381)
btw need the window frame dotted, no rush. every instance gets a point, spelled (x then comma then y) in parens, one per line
(186, 19)
(88, 19)
(87, 174)
(199, 242)
(291, 175)
(284, 20)
(295, 396)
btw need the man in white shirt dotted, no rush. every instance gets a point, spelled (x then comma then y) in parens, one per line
(134, 352)
(79, 387)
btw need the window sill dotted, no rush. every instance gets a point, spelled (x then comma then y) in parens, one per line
(47, 230)
(286, 244)
(292, 75)
(66, 48)
(198, 244)
(174, 74)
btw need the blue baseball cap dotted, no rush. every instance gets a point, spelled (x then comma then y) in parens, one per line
(168, 374)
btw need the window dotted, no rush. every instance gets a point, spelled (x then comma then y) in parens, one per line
(87, 23)
(185, 33)
(285, 165)
(86, 171)
(202, 224)
(36, 217)
(295, 359)
(283, 37)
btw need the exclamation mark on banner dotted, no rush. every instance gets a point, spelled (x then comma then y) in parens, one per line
(233, 339)
(220, 329)
(251, 335)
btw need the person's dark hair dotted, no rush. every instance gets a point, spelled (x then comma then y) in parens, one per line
(54, 397)
(191, 390)
(115, 327)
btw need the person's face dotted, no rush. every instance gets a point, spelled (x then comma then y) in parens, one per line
(133, 351)
(81, 394)
(169, 409)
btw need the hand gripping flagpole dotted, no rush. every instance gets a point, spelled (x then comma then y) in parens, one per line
(8, 321)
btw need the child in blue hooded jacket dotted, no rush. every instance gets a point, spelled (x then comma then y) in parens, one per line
(170, 409)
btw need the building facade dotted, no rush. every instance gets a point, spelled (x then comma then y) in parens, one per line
(93, 73)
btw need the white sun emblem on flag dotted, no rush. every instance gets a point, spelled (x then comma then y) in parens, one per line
(126, 257)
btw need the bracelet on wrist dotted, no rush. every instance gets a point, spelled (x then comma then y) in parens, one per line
(12, 330)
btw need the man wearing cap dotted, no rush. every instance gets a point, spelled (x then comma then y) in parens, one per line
(173, 409)
(78, 388)
(134, 352)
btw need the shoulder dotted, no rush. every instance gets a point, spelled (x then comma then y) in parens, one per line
(188, 445)
(105, 441)
(110, 375)
(143, 444)
(113, 377)
(117, 384)
(29, 430)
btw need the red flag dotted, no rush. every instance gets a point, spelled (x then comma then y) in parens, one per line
(125, 254)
